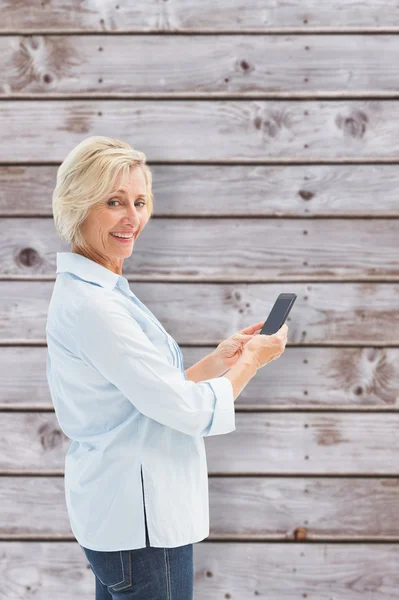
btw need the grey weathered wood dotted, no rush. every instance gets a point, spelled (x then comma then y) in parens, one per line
(281, 571)
(272, 479)
(208, 130)
(341, 314)
(275, 443)
(296, 571)
(314, 378)
(183, 15)
(264, 508)
(308, 443)
(237, 190)
(283, 66)
(246, 249)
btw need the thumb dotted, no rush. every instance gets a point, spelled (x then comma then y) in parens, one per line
(246, 336)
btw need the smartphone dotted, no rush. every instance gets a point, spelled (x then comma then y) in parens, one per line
(278, 314)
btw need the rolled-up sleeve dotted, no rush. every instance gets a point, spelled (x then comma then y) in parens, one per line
(109, 339)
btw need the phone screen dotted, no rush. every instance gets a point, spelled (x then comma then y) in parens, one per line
(278, 314)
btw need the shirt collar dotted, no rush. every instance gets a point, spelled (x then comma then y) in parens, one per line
(88, 269)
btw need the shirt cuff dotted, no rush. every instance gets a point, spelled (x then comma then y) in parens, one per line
(224, 415)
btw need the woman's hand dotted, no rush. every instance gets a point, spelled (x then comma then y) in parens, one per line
(263, 349)
(230, 350)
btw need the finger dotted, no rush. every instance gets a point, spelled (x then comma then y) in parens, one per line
(252, 328)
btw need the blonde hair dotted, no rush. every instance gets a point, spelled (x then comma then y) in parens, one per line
(87, 176)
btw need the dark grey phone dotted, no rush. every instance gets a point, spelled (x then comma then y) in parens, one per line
(278, 314)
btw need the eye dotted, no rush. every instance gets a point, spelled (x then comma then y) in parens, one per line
(139, 202)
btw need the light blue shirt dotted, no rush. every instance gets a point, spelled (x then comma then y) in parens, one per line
(120, 393)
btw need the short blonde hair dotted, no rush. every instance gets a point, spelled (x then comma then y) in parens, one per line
(87, 176)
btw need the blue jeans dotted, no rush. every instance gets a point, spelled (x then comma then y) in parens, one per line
(143, 574)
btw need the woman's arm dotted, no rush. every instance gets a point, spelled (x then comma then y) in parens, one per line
(210, 366)
(207, 368)
(107, 339)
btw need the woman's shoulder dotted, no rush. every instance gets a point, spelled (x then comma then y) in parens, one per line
(70, 297)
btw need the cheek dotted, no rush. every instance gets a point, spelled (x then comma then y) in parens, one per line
(107, 222)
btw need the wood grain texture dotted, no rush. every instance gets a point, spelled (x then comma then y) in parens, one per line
(304, 378)
(245, 570)
(247, 249)
(354, 190)
(292, 571)
(339, 314)
(265, 444)
(278, 122)
(241, 508)
(208, 130)
(188, 65)
(186, 15)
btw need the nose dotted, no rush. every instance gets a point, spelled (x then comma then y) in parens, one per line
(133, 216)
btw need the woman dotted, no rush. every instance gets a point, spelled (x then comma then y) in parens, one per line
(136, 484)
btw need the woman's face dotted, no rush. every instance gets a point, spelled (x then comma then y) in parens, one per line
(126, 212)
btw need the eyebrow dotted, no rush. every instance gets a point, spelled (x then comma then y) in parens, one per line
(125, 193)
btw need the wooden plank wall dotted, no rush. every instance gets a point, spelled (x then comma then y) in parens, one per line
(272, 129)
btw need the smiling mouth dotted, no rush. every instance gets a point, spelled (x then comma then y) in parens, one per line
(119, 237)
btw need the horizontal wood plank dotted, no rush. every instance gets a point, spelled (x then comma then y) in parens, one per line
(281, 478)
(205, 130)
(275, 443)
(246, 249)
(223, 190)
(261, 508)
(184, 15)
(343, 314)
(314, 378)
(327, 65)
(246, 570)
